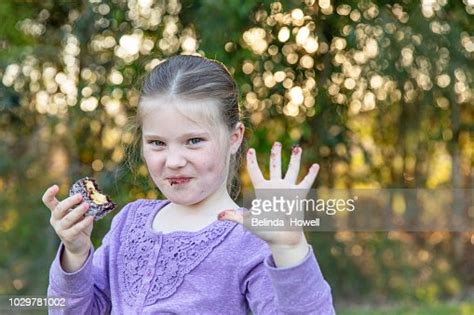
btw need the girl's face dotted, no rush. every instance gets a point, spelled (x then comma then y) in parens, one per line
(183, 157)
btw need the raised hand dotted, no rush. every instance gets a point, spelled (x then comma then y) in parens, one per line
(276, 183)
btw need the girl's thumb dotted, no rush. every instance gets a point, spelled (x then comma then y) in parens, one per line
(231, 215)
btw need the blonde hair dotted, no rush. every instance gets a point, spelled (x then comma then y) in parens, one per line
(196, 78)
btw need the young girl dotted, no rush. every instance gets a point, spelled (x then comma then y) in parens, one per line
(190, 253)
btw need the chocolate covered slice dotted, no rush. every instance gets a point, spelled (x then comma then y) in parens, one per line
(100, 203)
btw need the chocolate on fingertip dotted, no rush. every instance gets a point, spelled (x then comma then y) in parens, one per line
(296, 149)
(221, 215)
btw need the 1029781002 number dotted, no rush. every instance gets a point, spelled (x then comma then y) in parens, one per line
(34, 302)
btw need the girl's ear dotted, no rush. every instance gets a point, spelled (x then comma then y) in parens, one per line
(236, 137)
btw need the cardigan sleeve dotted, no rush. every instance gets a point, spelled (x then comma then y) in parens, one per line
(87, 290)
(299, 289)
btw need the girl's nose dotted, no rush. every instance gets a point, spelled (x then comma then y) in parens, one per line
(175, 159)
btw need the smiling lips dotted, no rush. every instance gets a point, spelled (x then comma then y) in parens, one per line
(178, 180)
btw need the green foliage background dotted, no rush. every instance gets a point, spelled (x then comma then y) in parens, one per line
(379, 93)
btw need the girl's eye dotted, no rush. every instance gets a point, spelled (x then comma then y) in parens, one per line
(195, 140)
(156, 142)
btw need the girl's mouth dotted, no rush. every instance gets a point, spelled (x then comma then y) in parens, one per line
(179, 180)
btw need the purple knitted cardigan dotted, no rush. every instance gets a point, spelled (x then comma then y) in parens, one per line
(220, 269)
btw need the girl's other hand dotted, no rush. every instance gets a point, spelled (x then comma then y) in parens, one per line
(68, 221)
(278, 185)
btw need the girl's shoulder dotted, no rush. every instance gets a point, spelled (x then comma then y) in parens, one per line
(140, 208)
(141, 204)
